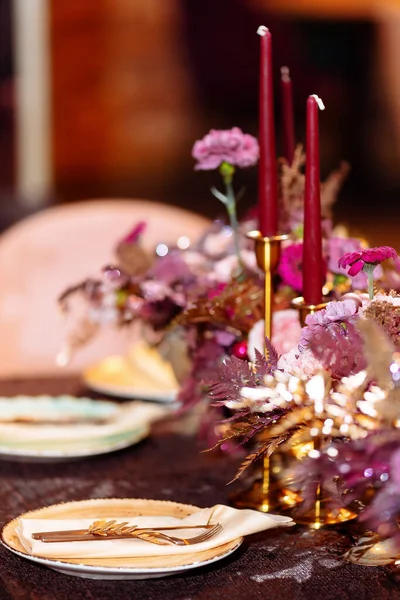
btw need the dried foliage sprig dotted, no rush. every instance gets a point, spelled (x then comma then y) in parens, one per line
(237, 307)
(292, 185)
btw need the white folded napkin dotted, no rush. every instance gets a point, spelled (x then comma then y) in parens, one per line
(132, 416)
(236, 524)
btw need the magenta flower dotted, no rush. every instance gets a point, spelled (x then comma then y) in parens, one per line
(290, 268)
(339, 246)
(231, 146)
(369, 256)
(366, 260)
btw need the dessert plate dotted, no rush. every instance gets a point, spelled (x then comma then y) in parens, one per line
(139, 567)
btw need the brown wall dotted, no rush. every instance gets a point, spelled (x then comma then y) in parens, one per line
(123, 100)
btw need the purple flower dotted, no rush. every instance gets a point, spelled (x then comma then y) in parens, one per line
(232, 146)
(333, 339)
(335, 311)
(290, 267)
(370, 256)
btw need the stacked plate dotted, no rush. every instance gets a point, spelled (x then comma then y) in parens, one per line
(65, 427)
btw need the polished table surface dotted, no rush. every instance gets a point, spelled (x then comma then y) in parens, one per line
(288, 564)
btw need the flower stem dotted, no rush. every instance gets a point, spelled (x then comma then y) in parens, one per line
(231, 210)
(369, 270)
(371, 286)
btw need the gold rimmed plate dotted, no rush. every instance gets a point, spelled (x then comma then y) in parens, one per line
(143, 567)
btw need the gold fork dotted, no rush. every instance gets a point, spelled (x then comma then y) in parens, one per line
(106, 530)
(197, 539)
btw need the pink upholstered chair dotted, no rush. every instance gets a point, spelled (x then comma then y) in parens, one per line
(43, 254)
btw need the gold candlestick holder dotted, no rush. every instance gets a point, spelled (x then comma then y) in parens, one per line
(268, 252)
(262, 494)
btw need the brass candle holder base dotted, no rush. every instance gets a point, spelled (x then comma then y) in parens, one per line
(321, 516)
(260, 495)
(307, 309)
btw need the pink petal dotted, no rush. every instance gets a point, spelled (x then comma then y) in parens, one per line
(349, 258)
(356, 268)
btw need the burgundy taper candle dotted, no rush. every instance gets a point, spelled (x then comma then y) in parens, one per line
(287, 115)
(312, 244)
(267, 168)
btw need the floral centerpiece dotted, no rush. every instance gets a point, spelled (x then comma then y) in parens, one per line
(339, 391)
(211, 293)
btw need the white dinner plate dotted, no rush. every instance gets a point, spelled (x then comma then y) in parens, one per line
(143, 567)
(55, 409)
(53, 428)
(57, 452)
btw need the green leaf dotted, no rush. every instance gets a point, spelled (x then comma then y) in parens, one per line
(219, 195)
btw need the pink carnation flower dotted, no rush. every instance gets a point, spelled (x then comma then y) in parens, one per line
(286, 330)
(369, 256)
(232, 146)
(286, 333)
(299, 364)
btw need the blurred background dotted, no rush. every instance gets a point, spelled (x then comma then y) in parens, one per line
(104, 98)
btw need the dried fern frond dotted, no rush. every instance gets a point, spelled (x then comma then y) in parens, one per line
(236, 308)
(330, 189)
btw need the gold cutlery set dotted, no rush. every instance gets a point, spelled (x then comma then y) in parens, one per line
(111, 530)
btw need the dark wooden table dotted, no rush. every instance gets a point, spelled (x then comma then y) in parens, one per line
(278, 564)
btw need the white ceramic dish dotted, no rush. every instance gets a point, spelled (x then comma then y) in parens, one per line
(144, 567)
(57, 453)
(47, 428)
(55, 409)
